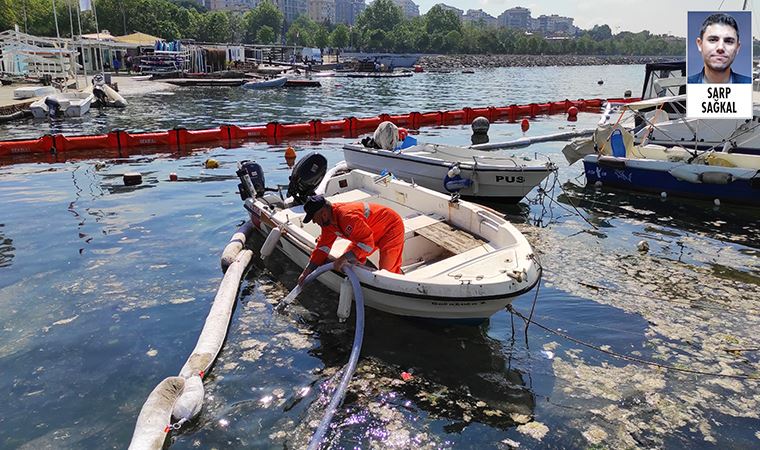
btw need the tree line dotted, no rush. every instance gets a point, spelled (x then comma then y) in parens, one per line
(380, 27)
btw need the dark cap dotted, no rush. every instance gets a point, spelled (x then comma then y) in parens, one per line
(313, 204)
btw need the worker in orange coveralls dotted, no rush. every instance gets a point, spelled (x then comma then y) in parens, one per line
(368, 226)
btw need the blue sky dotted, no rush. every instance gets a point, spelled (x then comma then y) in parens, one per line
(661, 16)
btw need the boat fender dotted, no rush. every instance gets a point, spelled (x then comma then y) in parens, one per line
(716, 178)
(453, 181)
(346, 295)
(190, 402)
(684, 173)
(270, 242)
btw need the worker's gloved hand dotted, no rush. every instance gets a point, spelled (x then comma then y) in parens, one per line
(343, 261)
(304, 274)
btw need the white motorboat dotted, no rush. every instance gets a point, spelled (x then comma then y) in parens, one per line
(446, 168)
(69, 104)
(265, 84)
(461, 261)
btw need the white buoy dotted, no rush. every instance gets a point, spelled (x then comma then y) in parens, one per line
(190, 402)
(346, 295)
(717, 202)
(663, 195)
(643, 246)
(270, 242)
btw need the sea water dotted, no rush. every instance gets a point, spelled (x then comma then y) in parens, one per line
(104, 289)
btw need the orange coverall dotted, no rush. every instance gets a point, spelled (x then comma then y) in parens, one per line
(369, 227)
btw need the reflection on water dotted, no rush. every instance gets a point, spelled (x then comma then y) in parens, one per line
(105, 288)
(6, 249)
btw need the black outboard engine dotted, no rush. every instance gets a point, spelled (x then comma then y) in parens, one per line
(251, 179)
(307, 174)
(54, 107)
(100, 96)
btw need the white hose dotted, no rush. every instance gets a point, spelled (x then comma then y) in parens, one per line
(350, 368)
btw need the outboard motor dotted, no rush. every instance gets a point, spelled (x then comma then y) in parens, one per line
(307, 174)
(100, 96)
(251, 179)
(54, 106)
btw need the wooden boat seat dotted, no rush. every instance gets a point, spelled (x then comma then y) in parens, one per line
(450, 238)
(414, 223)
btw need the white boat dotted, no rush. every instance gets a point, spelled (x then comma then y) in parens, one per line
(264, 84)
(660, 117)
(461, 261)
(32, 92)
(70, 104)
(324, 73)
(481, 174)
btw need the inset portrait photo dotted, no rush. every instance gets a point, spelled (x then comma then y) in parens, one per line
(719, 47)
(719, 65)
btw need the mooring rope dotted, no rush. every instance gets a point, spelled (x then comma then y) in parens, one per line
(628, 357)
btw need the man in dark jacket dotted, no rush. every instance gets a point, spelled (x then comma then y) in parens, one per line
(718, 42)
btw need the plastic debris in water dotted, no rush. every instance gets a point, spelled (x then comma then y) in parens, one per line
(548, 354)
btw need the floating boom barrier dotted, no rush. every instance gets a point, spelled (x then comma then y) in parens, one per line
(124, 142)
(181, 397)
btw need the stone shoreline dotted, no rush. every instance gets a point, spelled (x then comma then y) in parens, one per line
(485, 61)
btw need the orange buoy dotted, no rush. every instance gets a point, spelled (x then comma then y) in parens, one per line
(172, 176)
(525, 125)
(290, 156)
(572, 113)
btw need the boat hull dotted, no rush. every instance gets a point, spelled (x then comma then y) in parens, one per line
(454, 308)
(657, 176)
(274, 83)
(505, 184)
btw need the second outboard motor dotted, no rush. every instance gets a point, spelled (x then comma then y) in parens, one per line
(306, 176)
(54, 106)
(251, 179)
(100, 96)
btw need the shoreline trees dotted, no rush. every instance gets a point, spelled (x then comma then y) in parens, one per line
(381, 27)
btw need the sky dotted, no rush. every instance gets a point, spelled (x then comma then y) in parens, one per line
(660, 16)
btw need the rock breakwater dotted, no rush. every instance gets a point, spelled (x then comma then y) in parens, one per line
(485, 61)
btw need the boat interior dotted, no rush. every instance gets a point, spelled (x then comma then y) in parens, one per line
(429, 239)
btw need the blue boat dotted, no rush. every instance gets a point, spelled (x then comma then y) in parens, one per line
(678, 177)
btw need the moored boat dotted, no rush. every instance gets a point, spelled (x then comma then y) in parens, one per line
(709, 175)
(265, 84)
(68, 104)
(445, 168)
(461, 261)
